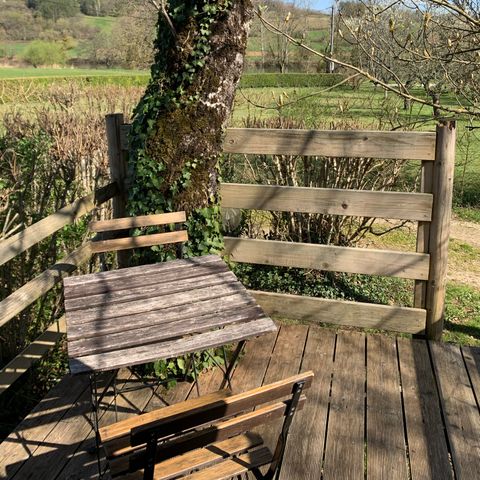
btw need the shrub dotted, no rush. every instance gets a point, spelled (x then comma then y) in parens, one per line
(41, 52)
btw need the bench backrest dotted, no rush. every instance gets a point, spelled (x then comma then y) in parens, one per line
(199, 422)
(123, 225)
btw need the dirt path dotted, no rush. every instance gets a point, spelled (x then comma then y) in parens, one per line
(465, 271)
(466, 232)
(464, 250)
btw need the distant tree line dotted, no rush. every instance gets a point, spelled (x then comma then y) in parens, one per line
(56, 9)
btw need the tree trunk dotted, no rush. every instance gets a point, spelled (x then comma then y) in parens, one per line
(178, 125)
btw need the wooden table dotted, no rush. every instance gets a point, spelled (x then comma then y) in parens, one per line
(140, 314)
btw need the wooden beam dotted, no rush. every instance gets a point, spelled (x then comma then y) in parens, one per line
(140, 241)
(340, 312)
(15, 245)
(33, 353)
(33, 290)
(136, 222)
(328, 258)
(423, 235)
(333, 143)
(395, 205)
(327, 143)
(440, 228)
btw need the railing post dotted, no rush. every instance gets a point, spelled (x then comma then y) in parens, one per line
(442, 189)
(117, 159)
(423, 235)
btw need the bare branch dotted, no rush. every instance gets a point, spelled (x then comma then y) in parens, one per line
(162, 8)
(402, 92)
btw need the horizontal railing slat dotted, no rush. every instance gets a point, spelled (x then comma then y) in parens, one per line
(362, 203)
(31, 354)
(33, 290)
(137, 222)
(139, 241)
(22, 241)
(389, 263)
(341, 312)
(326, 143)
(332, 143)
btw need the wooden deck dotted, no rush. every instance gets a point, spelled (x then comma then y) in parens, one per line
(380, 408)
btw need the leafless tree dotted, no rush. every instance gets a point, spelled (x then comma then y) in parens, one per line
(399, 44)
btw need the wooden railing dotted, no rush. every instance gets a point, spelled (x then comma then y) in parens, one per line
(29, 293)
(431, 208)
(427, 265)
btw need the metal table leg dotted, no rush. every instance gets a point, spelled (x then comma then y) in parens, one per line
(95, 401)
(229, 369)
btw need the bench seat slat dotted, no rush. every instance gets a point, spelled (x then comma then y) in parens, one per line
(213, 402)
(217, 432)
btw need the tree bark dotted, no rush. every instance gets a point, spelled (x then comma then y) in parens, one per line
(178, 125)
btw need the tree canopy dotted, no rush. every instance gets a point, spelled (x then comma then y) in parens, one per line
(55, 9)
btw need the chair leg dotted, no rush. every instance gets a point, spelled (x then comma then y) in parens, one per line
(95, 400)
(95, 423)
(276, 464)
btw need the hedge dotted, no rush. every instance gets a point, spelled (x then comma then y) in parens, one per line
(249, 80)
(273, 80)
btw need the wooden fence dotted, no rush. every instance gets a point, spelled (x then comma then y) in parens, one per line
(431, 208)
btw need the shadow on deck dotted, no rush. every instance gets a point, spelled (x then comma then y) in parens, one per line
(379, 408)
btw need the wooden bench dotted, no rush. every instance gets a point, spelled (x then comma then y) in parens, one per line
(206, 438)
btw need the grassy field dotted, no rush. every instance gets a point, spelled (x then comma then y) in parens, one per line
(8, 73)
(102, 23)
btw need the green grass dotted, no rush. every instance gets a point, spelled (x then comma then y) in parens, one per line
(20, 73)
(102, 23)
(11, 48)
(462, 323)
(469, 214)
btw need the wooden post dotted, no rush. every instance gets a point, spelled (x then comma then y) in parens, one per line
(442, 188)
(117, 159)
(423, 235)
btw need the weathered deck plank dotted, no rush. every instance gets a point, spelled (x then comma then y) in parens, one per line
(386, 455)
(428, 451)
(344, 448)
(307, 439)
(285, 362)
(22, 444)
(471, 356)
(460, 409)
(53, 442)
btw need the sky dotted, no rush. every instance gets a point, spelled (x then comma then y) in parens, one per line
(320, 4)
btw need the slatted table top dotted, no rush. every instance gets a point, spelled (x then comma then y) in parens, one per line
(140, 314)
